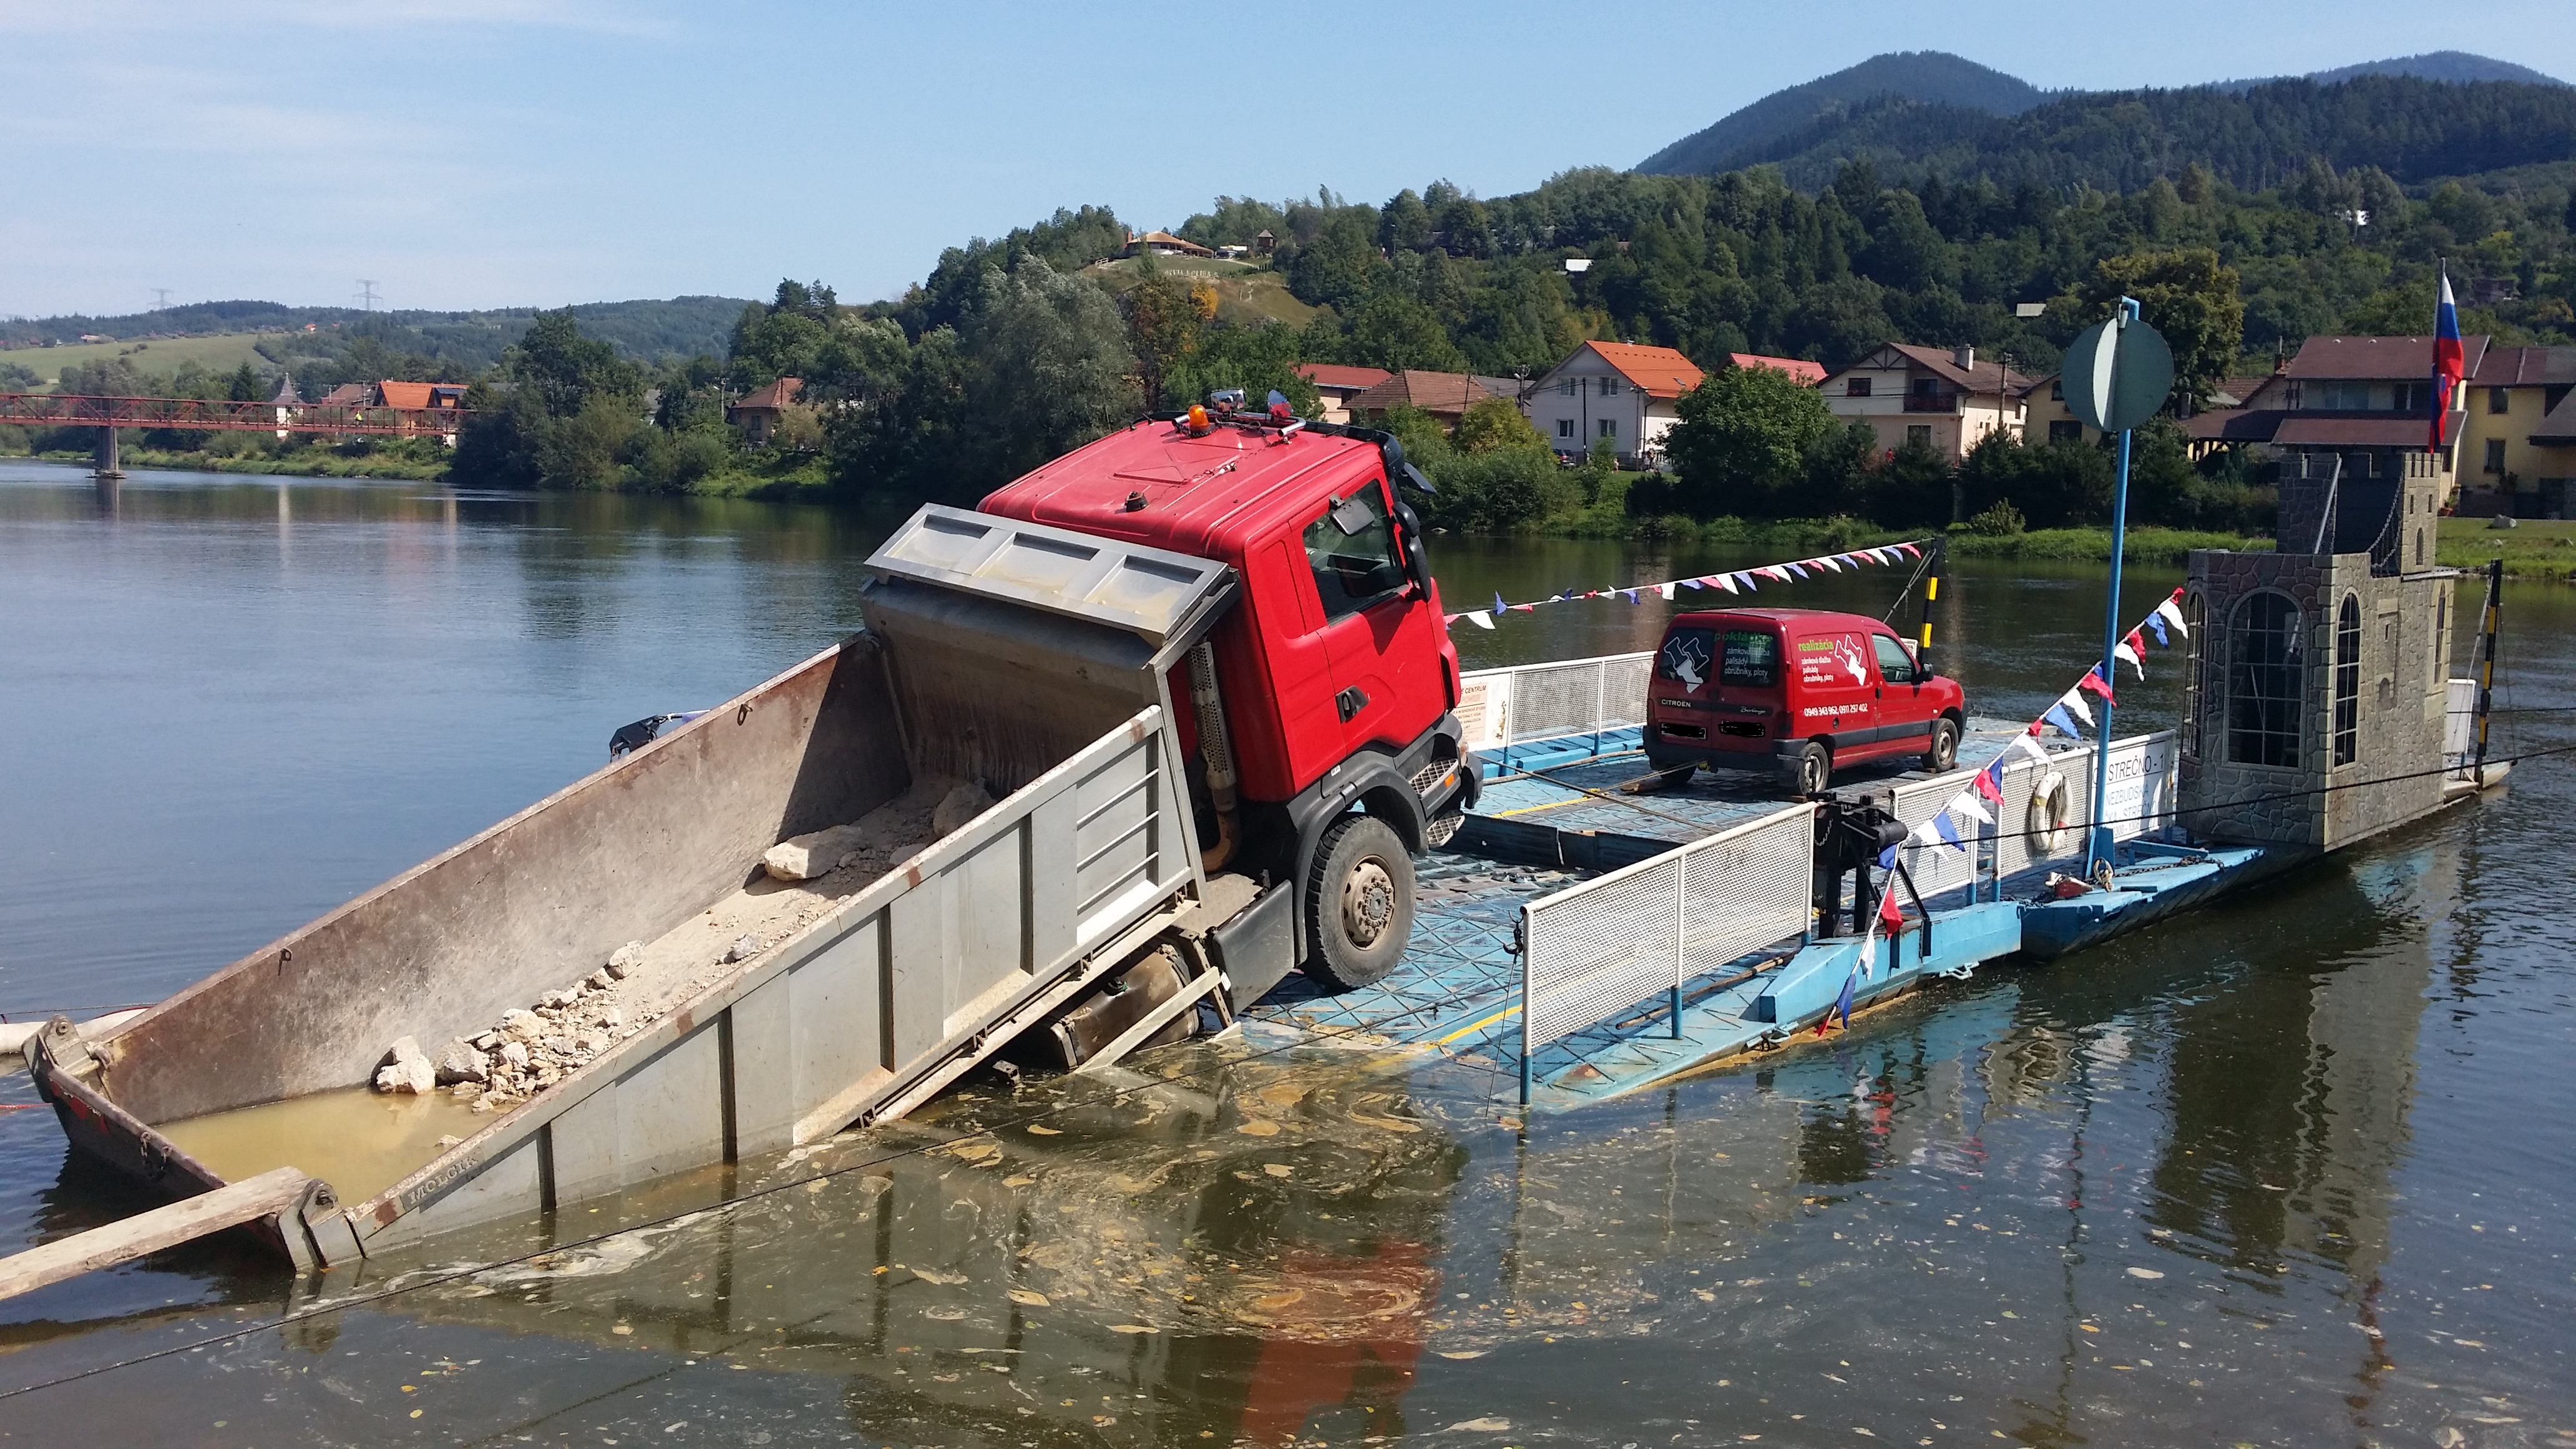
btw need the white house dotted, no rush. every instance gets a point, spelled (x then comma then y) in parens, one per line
(1611, 391)
(1946, 400)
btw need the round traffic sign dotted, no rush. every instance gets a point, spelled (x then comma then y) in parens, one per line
(2117, 375)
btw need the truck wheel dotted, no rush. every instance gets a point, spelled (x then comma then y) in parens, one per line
(1945, 746)
(1810, 770)
(1359, 903)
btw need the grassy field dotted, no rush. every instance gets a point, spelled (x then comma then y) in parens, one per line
(220, 353)
(2093, 545)
(2532, 549)
(1245, 292)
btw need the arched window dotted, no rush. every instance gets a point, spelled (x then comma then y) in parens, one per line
(2266, 678)
(2347, 681)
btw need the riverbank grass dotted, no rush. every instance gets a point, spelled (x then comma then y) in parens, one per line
(2534, 548)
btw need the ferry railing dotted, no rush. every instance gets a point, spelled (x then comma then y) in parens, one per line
(2141, 803)
(1598, 948)
(1563, 699)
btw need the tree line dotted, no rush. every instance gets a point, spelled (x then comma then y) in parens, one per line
(1013, 349)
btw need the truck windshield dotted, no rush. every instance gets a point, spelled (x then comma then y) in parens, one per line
(1355, 570)
(1750, 658)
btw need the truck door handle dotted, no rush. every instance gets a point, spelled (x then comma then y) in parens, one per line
(1350, 702)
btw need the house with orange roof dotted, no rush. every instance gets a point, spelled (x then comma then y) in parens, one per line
(420, 396)
(1338, 384)
(1620, 393)
(757, 412)
(1798, 368)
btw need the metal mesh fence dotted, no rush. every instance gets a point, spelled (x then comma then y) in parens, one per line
(1555, 699)
(1609, 943)
(2030, 829)
(1544, 701)
(1624, 681)
(1938, 867)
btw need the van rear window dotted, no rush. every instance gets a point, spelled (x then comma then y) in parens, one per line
(1684, 658)
(1750, 657)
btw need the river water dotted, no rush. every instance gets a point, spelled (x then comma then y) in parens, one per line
(2289, 1171)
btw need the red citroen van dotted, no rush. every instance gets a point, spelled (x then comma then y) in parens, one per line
(1802, 692)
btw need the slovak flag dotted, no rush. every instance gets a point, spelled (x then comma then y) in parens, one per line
(2449, 363)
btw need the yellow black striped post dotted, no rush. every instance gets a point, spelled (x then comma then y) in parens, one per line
(2486, 660)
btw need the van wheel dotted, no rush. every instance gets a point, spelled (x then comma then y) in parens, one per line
(1810, 770)
(1359, 903)
(1945, 746)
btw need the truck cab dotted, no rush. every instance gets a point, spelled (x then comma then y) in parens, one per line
(1799, 693)
(1321, 705)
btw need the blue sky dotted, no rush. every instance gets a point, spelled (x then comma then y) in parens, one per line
(475, 153)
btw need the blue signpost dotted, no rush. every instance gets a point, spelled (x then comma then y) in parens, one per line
(2117, 376)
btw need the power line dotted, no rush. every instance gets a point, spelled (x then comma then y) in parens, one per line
(367, 297)
(160, 299)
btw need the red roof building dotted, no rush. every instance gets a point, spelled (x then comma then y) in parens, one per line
(1810, 373)
(1338, 384)
(1444, 395)
(758, 411)
(1621, 394)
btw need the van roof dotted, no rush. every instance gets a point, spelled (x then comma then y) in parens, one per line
(1810, 618)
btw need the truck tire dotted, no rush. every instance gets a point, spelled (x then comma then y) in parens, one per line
(1808, 771)
(1359, 903)
(1944, 751)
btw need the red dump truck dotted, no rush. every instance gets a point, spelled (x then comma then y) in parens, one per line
(1192, 680)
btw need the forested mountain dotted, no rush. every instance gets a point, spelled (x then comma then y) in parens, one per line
(467, 342)
(2415, 130)
(1927, 76)
(2436, 65)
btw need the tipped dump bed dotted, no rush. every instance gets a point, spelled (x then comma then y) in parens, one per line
(1027, 660)
(866, 995)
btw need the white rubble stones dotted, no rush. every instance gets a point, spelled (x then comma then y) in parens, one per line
(742, 949)
(406, 1069)
(456, 1062)
(959, 806)
(532, 1048)
(874, 842)
(804, 857)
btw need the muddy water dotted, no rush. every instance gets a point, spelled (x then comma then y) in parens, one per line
(2290, 1171)
(359, 1140)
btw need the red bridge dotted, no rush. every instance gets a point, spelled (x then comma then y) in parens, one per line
(56, 410)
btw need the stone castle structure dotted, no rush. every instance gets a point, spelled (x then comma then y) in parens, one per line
(2319, 673)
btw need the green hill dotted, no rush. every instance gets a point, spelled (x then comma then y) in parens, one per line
(468, 342)
(1924, 76)
(2415, 130)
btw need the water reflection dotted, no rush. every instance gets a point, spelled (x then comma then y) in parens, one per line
(1244, 1259)
(2223, 1181)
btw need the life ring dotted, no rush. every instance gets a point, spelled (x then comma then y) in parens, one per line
(2044, 824)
